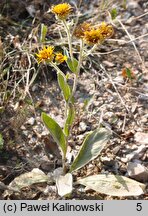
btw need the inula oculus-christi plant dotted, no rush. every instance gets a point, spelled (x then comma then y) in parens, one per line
(89, 36)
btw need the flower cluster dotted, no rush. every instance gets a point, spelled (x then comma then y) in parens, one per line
(61, 10)
(47, 55)
(81, 29)
(93, 35)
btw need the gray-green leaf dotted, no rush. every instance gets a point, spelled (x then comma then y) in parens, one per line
(91, 147)
(29, 178)
(72, 64)
(70, 119)
(64, 86)
(43, 32)
(113, 185)
(55, 131)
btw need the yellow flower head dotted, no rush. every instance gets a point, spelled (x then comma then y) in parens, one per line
(62, 10)
(81, 29)
(106, 30)
(60, 58)
(93, 36)
(46, 54)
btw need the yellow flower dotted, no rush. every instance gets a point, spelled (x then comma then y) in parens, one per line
(106, 30)
(60, 58)
(81, 29)
(62, 10)
(96, 35)
(46, 54)
(93, 36)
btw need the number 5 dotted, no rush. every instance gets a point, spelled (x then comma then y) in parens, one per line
(139, 207)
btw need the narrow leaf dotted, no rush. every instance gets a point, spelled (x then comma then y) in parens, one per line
(56, 132)
(114, 13)
(43, 32)
(1, 142)
(129, 73)
(64, 86)
(69, 120)
(113, 185)
(72, 64)
(91, 148)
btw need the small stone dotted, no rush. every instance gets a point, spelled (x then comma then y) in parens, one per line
(144, 120)
(109, 64)
(137, 172)
(137, 153)
(47, 166)
(124, 160)
(141, 138)
(109, 162)
(50, 189)
(31, 121)
(82, 126)
(116, 150)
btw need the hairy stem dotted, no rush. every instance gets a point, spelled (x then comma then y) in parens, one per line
(76, 75)
(57, 69)
(69, 39)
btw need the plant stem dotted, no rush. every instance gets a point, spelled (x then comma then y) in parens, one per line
(63, 164)
(76, 75)
(57, 69)
(69, 39)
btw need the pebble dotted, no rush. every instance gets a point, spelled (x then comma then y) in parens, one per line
(109, 64)
(141, 138)
(116, 150)
(137, 153)
(31, 121)
(137, 172)
(82, 126)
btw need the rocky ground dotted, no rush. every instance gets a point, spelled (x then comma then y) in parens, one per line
(113, 100)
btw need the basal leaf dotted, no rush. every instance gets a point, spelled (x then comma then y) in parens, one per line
(56, 132)
(28, 179)
(64, 86)
(69, 120)
(91, 147)
(113, 185)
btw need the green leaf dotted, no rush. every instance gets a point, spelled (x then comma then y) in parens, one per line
(43, 32)
(128, 73)
(1, 142)
(64, 86)
(69, 120)
(114, 13)
(56, 132)
(72, 64)
(113, 185)
(91, 147)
